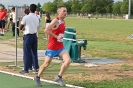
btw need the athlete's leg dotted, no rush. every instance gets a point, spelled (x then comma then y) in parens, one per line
(65, 56)
(44, 65)
(41, 69)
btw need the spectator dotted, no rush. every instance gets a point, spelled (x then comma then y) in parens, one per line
(9, 20)
(3, 16)
(29, 25)
(47, 22)
(89, 15)
(14, 22)
(31, 57)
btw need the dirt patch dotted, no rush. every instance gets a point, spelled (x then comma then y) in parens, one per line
(102, 72)
(105, 72)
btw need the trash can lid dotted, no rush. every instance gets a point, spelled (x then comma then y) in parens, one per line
(70, 29)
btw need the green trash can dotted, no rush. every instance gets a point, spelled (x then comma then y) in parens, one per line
(70, 34)
(69, 42)
(73, 52)
(69, 38)
(72, 45)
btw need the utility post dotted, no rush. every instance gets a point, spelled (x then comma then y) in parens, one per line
(19, 11)
(129, 9)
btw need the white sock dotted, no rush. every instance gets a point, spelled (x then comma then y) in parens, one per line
(3, 33)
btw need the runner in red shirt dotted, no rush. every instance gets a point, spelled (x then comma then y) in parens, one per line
(55, 46)
(3, 15)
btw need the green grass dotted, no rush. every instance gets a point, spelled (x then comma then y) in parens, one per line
(126, 66)
(52, 70)
(8, 35)
(124, 83)
(107, 38)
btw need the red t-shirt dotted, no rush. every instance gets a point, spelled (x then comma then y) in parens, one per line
(53, 43)
(2, 14)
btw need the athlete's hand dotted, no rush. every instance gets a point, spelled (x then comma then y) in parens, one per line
(59, 37)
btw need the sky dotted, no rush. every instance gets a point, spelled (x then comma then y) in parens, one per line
(22, 2)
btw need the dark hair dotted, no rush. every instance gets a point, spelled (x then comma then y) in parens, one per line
(27, 11)
(13, 8)
(33, 8)
(47, 15)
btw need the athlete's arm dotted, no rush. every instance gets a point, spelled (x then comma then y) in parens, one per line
(50, 26)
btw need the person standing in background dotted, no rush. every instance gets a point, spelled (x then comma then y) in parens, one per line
(47, 22)
(30, 25)
(9, 20)
(14, 22)
(40, 13)
(89, 15)
(39, 17)
(3, 16)
(27, 11)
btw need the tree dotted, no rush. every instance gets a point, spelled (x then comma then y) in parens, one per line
(108, 6)
(57, 1)
(100, 6)
(86, 8)
(50, 7)
(117, 7)
(2, 6)
(76, 6)
(25, 5)
(124, 7)
(39, 7)
(68, 5)
(131, 6)
(104, 6)
(92, 5)
(60, 3)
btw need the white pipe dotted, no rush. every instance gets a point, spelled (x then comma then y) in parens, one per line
(69, 39)
(43, 80)
(129, 9)
(70, 33)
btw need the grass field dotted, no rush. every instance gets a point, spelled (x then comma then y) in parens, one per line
(107, 38)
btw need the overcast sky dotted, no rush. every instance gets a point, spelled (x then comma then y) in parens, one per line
(22, 2)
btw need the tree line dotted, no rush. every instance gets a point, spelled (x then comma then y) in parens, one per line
(87, 6)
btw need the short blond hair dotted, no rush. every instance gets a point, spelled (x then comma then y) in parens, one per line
(60, 8)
